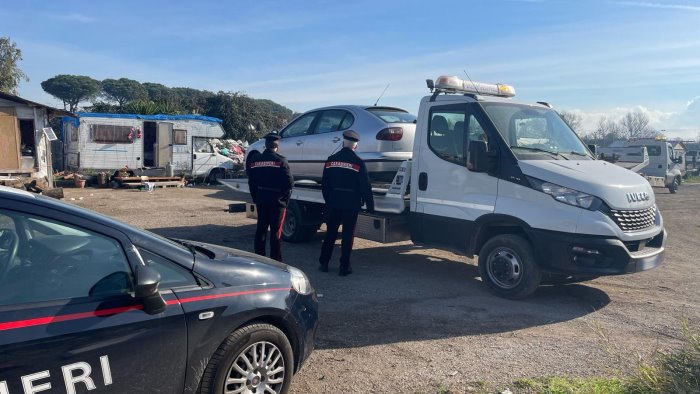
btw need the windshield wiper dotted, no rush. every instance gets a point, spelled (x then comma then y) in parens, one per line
(195, 248)
(555, 154)
(578, 154)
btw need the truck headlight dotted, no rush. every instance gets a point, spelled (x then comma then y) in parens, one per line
(300, 282)
(566, 195)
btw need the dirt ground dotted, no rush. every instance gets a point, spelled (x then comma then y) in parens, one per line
(413, 320)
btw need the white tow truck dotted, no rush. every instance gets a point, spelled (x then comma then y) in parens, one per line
(509, 182)
(652, 158)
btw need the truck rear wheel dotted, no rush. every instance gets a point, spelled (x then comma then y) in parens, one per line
(507, 266)
(292, 228)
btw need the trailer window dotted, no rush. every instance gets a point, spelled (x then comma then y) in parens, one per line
(107, 133)
(179, 137)
(72, 131)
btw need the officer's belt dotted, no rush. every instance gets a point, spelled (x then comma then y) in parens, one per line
(340, 189)
(269, 189)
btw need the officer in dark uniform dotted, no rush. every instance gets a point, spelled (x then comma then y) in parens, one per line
(345, 188)
(270, 184)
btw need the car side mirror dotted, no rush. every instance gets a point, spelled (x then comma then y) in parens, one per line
(478, 159)
(147, 282)
(593, 149)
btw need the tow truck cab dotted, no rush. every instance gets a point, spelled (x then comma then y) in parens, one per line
(512, 183)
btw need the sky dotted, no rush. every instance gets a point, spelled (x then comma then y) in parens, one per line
(594, 57)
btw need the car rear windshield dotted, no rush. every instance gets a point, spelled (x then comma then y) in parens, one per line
(389, 115)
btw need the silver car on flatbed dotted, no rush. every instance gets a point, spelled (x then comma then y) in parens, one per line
(386, 139)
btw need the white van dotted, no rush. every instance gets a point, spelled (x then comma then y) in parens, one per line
(112, 141)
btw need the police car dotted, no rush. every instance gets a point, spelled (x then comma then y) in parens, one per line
(88, 303)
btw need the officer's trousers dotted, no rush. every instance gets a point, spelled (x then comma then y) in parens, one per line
(269, 216)
(334, 217)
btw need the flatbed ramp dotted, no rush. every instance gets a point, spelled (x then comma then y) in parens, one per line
(387, 224)
(393, 200)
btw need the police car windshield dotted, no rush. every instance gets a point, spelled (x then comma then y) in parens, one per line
(536, 133)
(391, 115)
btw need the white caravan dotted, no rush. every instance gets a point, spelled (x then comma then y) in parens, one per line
(112, 141)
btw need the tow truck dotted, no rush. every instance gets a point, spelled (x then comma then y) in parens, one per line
(508, 182)
(653, 158)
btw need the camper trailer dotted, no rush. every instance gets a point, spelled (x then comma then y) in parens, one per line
(107, 142)
(25, 151)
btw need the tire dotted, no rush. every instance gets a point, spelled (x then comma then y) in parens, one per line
(292, 228)
(215, 175)
(234, 361)
(507, 266)
(673, 188)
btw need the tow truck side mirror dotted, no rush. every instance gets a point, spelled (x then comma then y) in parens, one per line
(147, 281)
(478, 159)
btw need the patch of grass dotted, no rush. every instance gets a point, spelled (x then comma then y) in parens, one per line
(672, 372)
(692, 179)
(568, 385)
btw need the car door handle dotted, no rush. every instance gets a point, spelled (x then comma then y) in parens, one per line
(423, 181)
(336, 139)
(300, 142)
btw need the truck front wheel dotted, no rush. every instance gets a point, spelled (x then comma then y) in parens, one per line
(507, 266)
(673, 188)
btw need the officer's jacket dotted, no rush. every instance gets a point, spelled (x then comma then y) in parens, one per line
(345, 182)
(269, 179)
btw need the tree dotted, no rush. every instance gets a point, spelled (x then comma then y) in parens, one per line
(123, 90)
(192, 100)
(71, 89)
(606, 132)
(572, 119)
(10, 73)
(160, 93)
(636, 125)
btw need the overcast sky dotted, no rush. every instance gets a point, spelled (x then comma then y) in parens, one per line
(594, 57)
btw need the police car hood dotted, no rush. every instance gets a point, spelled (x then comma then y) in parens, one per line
(233, 267)
(599, 178)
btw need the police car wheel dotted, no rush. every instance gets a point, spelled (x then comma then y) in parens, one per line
(254, 359)
(507, 266)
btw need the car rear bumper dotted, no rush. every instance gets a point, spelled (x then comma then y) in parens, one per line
(593, 255)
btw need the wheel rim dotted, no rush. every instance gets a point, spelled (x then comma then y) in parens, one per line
(504, 268)
(258, 369)
(289, 226)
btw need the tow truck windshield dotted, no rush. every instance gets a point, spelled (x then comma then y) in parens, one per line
(535, 133)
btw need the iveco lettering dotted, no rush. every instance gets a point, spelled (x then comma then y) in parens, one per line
(91, 304)
(509, 182)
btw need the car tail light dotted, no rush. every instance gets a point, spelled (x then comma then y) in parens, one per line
(390, 134)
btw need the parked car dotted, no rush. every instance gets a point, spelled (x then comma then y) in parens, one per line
(88, 302)
(386, 139)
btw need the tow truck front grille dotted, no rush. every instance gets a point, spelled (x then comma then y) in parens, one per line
(634, 220)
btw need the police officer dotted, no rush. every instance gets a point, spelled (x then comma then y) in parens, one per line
(345, 188)
(270, 184)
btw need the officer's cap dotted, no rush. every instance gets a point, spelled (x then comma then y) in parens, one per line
(351, 135)
(272, 137)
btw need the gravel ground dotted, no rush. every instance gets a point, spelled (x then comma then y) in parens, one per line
(412, 319)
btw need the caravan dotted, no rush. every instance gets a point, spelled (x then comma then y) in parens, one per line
(113, 141)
